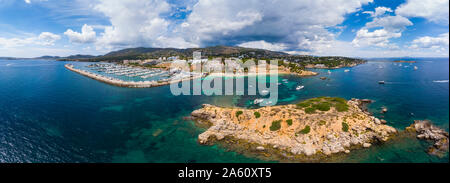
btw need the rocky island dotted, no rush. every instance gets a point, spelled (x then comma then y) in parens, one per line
(316, 127)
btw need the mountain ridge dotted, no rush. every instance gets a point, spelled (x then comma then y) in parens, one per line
(148, 53)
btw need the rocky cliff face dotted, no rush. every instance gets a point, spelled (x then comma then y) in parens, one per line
(294, 129)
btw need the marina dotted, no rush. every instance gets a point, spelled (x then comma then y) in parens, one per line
(132, 77)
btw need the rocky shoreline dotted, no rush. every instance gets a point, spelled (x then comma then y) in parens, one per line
(311, 66)
(305, 73)
(336, 126)
(427, 131)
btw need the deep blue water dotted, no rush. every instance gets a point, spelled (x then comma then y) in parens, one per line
(50, 114)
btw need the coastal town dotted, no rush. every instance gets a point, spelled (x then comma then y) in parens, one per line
(163, 71)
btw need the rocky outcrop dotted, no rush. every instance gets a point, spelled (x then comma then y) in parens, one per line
(291, 130)
(427, 131)
(384, 110)
(362, 104)
(305, 73)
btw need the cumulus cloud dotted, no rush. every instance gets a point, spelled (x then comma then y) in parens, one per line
(390, 23)
(263, 45)
(137, 23)
(87, 35)
(433, 10)
(378, 11)
(233, 22)
(386, 28)
(238, 22)
(379, 38)
(440, 42)
(293, 26)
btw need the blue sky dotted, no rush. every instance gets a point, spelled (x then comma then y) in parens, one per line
(357, 28)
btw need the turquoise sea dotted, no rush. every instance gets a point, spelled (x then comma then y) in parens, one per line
(50, 114)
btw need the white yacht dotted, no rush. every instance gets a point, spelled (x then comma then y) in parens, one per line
(257, 101)
(264, 92)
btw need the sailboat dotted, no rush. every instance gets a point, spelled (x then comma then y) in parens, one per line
(416, 68)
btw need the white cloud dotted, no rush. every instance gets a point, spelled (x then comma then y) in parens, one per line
(263, 45)
(45, 39)
(15, 42)
(136, 23)
(293, 25)
(48, 38)
(386, 28)
(433, 10)
(173, 42)
(290, 25)
(87, 35)
(440, 42)
(379, 38)
(29, 1)
(390, 23)
(378, 11)
(298, 25)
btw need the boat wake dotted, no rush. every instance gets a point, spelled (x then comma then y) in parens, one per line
(440, 81)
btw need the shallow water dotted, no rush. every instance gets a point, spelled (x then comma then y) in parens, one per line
(50, 114)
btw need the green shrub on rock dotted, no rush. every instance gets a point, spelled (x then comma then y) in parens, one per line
(289, 122)
(323, 106)
(344, 127)
(257, 115)
(341, 107)
(310, 110)
(276, 125)
(305, 130)
(322, 122)
(238, 113)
